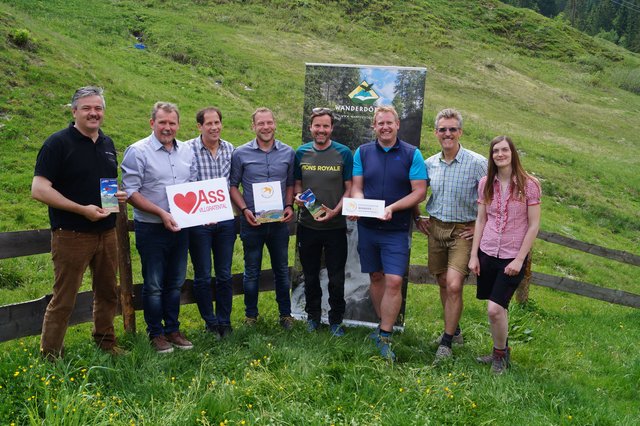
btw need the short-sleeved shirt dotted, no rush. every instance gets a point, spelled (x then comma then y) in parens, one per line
(250, 164)
(387, 174)
(416, 172)
(74, 165)
(454, 186)
(210, 167)
(324, 172)
(507, 218)
(148, 168)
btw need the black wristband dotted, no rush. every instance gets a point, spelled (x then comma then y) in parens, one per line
(289, 205)
(242, 210)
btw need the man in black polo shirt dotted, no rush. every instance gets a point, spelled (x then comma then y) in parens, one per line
(67, 177)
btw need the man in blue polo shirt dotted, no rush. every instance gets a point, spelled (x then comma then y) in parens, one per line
(264, 159)
(67, 177)
(391, 170)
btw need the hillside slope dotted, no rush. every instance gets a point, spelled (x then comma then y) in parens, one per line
(555, 90)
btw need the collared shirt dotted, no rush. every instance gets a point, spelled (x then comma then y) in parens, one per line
(454, 186)
(507, 218)
(210, 167)
(387, 174)
(250, 164)
(148, 168)
(74, 164)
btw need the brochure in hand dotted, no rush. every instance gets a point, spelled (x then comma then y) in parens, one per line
(312, 204)
(267, 198)
(108, 189)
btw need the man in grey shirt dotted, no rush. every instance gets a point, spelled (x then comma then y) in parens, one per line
(148, 167)
(264, 159)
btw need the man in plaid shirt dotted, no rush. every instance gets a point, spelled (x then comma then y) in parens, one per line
(454, 174)
(213, 160)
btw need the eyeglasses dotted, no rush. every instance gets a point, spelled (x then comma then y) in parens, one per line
(450, 129)
(321, 111)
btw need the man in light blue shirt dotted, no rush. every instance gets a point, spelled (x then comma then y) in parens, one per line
(264, 159)
(148, 167)
(454, 174)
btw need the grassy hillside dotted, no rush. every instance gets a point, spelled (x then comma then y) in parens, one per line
(555, 90)
(569, 101)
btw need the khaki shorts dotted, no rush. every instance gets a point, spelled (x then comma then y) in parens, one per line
(447, 249)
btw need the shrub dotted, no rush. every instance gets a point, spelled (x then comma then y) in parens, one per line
(627, 79)
(22, 38)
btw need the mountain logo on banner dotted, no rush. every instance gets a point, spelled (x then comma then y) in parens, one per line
(364, 94)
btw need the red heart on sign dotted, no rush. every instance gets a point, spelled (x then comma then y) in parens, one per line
(185, 202)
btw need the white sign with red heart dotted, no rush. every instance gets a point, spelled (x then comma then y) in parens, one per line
(197, 203)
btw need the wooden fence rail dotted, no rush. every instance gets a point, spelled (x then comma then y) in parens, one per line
(25, 319)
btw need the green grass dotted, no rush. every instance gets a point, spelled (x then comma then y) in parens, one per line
(268, 376)
(569, 101)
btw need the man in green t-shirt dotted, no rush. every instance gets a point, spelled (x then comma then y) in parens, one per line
(322, 174)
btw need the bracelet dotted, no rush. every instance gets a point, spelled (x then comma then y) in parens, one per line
(242, 210)
(289, 205)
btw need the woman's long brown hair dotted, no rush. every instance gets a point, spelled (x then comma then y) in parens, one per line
(517, 171)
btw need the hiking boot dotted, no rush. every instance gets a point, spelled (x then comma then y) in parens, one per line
(500, 363)
(485, 359)
(488, 359)
(442, 354)
(52, 355)
(374, 334)
(250, 321)
(178, 340)
(161, 344)
(384, 345)
(457, 339)
(114, 350)
(213, 330)
(336, 330)
(287, 322)
(312, 325)
(224, 330)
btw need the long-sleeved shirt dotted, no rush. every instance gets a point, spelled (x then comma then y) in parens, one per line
(148, 168)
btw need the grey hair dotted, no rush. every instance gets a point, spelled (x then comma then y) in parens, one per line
(166, 107)
(83, 92)
(449, 113)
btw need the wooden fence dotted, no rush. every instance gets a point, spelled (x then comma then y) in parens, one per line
(25, 319)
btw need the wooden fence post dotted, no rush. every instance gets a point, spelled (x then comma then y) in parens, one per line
(124, 266)
(522, 293)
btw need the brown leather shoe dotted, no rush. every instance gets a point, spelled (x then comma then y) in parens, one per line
(115, 350)
(161, 344)
(178, 340)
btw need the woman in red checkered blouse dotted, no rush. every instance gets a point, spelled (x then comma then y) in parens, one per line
(507, 224)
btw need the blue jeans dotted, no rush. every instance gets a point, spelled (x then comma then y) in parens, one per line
(203, 241)
(276, 237)
(163, 255)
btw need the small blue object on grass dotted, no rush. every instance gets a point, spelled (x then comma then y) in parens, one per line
(139, 46)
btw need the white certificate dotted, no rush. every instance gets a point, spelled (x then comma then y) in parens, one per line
(267, 200)
(362, 207)
(197, 203)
